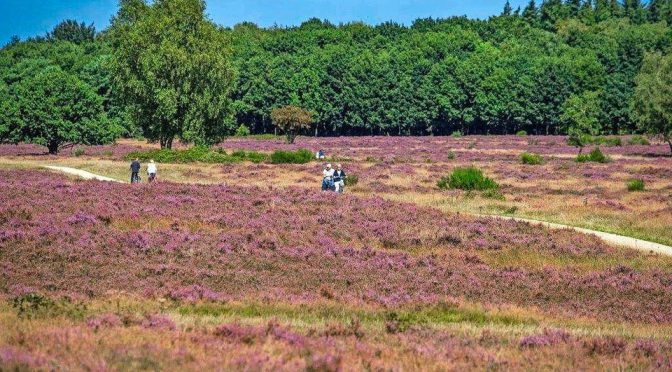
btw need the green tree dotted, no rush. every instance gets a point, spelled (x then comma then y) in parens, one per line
(54, 108)
(531, 13)
(506, 12)
(653, 97)
(70, 30)
(172, 67)
(581, 116)
(291, 120)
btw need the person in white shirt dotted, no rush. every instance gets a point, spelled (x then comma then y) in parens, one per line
(328, 178)
(151, 170)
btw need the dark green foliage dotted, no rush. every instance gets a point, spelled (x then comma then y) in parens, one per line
(468, 178)
(553, 66)
(636, 185)
(595, 156)
(451, 155)
(172, 66)
(521, 133)
(351, 180)
(70, 30)
(53, 108)
(531, 159)
(300, 156)
(195, 154)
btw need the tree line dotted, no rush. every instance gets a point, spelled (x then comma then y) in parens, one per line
(163, 70)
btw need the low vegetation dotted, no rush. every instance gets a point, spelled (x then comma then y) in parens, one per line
(301, 156)
(467, 178)
(636, 185)
(595, 156)
(531, 159)
(196, 154)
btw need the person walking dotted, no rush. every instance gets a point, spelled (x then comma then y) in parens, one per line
(135, 171)
(339, 179)
(151, 171)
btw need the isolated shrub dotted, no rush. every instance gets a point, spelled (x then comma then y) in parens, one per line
(638, 140)
(521, 133)
(457, 134)
(451, 155)
(472, 145)
(351, 180)
(531, 159)
(596, 156)
(79, 151)
(242, 131)
(467, 178)
(301, 156)
(636, 185)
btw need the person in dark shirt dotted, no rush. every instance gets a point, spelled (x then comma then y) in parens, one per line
(339, 178)
(135, 171)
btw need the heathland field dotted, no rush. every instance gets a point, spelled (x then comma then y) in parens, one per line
(233, 261)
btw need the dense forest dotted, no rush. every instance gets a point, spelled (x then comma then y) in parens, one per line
(525, 69)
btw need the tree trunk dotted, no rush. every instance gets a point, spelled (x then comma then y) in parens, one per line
(669, 142)
(53, 148)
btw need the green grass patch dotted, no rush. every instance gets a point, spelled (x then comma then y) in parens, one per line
(521, 133)
(636, 185)
(467, 178)
(595, 156)
(301, 156)
(531, 159)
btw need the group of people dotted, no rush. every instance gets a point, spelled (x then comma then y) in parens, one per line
(135, 171)
(333, 179)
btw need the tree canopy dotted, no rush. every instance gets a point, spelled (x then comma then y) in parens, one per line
(291, 120)
(165, 71)
(653, 97)
(171, 65)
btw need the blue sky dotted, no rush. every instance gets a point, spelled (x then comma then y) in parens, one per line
(35, 17)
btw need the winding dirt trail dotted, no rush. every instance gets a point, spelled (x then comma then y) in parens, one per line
(614, 239)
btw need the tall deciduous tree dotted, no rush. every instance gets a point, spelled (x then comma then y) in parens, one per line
(54, 108)
(653, 97)
(171, 65)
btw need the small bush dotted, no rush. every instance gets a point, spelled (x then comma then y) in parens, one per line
(78, 151)
(451, 155)
(638, 140)
(636, 185)
(351, 180)
(457, 134)
(469, 178)
(242, 131)
(301, 156)
(521, 133)
(596, 156)
(531, 159)
(472, 145)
